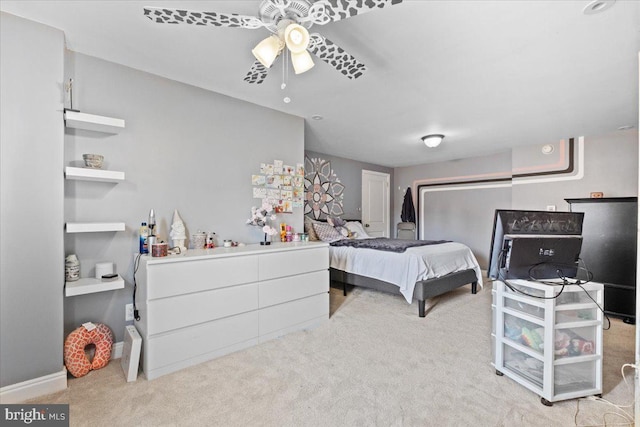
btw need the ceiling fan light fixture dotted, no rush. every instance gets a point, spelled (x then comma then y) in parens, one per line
(301, 61)
(296, 37)
(432, 140)
(267, 50)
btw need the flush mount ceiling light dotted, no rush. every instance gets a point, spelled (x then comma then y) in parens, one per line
(597, 6)
(432, 140)
(288, 21)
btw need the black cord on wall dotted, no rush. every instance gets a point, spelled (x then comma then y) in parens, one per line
(136, 264)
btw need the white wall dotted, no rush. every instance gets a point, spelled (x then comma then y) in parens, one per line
(31, 200)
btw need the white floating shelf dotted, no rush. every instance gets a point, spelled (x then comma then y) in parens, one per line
(88, 174)
(94, 227)
(90, 285)
(78, 120)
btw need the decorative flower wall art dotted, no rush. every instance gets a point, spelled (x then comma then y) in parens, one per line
(323, 190)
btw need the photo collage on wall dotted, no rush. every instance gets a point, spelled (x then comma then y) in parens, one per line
(280, 185)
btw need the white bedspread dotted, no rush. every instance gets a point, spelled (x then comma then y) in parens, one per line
(407, 268)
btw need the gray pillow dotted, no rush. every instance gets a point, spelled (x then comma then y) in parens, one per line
(326, 232)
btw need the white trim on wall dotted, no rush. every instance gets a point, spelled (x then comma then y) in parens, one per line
(36, 387)
(462, 187)
(555, 178)
(30, 389)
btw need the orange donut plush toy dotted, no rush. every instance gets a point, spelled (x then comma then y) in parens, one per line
(75, 358)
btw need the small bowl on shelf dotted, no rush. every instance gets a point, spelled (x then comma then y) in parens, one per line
(93, 161)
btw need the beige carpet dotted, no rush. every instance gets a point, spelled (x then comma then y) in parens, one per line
(375, 363)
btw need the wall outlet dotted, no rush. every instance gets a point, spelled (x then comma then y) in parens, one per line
(128, 312)
(551, 208)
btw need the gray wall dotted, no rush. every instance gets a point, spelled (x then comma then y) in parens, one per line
(31, 200)
(462, 214)
(350, 174)
(466, 215)
(182, 148)
(611, 166)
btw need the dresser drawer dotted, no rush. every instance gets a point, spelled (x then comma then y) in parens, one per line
(285, 316)
(178, 312)
(290, 263)
(188, 346)
(278, 291)
(177, 278)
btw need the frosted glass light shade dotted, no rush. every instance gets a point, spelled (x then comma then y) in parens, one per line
(432, 141)
(301, 62)
(296, 37)
(267, 50)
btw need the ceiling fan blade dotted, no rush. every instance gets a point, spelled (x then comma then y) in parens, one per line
(325, 11)
(257, 73)
(335, 56)
(177, 16)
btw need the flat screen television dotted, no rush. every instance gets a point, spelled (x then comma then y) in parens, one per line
(508, 221)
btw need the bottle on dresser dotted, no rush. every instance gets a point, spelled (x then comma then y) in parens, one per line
(151, 238)
(144, 234)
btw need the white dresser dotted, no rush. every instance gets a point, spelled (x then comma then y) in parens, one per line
(206, 303)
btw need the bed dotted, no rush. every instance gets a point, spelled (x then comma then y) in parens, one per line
(420, 272)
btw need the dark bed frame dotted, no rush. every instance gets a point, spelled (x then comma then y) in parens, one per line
(424, 289)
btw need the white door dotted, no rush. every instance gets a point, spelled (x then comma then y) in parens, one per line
(375, 203)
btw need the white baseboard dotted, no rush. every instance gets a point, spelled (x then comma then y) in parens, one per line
(30, 389)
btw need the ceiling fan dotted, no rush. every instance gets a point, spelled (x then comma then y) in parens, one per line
(288, 21)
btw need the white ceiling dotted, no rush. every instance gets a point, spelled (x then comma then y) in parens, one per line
(489, 75)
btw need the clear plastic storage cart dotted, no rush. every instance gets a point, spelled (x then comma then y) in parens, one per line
(549, 338)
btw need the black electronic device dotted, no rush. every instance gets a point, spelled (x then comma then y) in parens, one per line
(508, 221)
(609, 250)
(541, 257)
